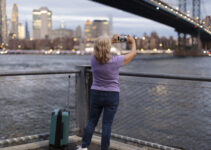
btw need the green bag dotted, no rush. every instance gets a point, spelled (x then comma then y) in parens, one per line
(59, 130)
(60, 125)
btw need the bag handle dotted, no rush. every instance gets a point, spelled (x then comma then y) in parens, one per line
(68, 94)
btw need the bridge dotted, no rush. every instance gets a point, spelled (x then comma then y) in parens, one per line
(162, 12)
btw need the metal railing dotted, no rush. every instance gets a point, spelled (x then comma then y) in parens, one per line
(30, 73)
(165, 76)
(173, 111)
(166, 109)
(27, 100)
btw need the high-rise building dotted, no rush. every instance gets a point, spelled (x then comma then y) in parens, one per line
(207, 22)
(14, 21)
(87, 31)
(100, 27)
(27, 37)
(78, 38)
(21, 34)
(154, 40)
(8, 26)
(3, 22)
(61, 33)
(78, 32)
(42, 23)
(145, 41)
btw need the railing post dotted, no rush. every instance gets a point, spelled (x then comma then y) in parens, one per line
(83, 83)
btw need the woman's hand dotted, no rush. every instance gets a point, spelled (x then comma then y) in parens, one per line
(115, 38)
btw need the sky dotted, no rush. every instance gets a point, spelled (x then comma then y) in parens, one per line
(76, 12)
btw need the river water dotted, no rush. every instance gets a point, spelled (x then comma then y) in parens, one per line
(169, 112)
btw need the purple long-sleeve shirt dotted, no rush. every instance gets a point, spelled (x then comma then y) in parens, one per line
(106, 76)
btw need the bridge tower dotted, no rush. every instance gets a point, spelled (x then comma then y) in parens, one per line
(183, 5)
(196, 10)
(182, 37)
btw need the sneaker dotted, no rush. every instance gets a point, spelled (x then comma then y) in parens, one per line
(80, 148)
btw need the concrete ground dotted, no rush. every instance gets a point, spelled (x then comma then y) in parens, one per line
(74, 141)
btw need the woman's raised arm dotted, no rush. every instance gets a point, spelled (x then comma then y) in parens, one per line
(132, 53)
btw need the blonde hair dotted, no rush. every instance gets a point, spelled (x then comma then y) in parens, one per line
(102, 48)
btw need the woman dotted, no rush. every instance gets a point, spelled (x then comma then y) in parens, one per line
(105, 88)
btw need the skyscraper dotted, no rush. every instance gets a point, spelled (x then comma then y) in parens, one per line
(87, 31)
(3, 22)
(27, 37)
(9, 24)
(207, 22)
(100, 27)
(14, 21)
(78, 32)
(42, 23)
(61, 33)
(21, 33)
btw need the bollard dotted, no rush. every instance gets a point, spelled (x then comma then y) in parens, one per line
(83, 83)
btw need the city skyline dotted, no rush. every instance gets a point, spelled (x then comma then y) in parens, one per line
(73, 16)
(76, 13)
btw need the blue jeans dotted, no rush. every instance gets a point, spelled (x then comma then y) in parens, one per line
(107, 102)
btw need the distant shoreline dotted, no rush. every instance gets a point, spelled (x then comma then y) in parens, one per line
(74, 52)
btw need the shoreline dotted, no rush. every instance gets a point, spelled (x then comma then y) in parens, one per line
(80, 52)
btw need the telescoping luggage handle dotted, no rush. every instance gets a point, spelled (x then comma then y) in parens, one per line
(68, 94)
(59, 130)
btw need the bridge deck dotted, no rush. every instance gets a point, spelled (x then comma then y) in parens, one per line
(162, 13)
